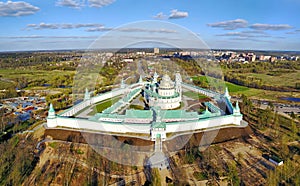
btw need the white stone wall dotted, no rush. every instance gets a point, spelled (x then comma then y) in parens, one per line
(198, 90)
(52, 122)
(166, 92)
(166, 103)
(77, 123)
(138, 120)
(76, 108)
(204, 123)
(108, 95)
(162, 133)
(111, 119)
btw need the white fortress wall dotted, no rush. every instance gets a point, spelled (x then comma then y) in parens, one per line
(76, 108)
(107, 95)
(199, 90)
(204, 123)
(77, 123)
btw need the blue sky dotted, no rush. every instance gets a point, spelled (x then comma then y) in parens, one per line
(72, 24)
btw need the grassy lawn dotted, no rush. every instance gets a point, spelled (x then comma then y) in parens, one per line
(194, 95)
(30, 75)
(200, 175)
(282, 80)
(6, 85)
(237, 90)
(137, 107)
(104, 105)
(217, 82)
(54, 145)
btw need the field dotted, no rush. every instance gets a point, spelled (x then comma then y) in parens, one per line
(194, 95)
(237, 90)
(213, 82)
(288, 79)
(105, 104)
(136, 107)
(9, 77)
(5, 84)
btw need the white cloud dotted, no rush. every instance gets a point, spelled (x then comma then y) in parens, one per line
(69, 3)
(131, 29)
(246, 34)
(294, 32)
(160, 15)
(254, 35)
(146, 30)
(93, 27)
(175, 14)
(77, 4)
(99, 3)
(18, 8)
(62, 26)
(230, 25)
(98, 29)
(251, 39)
(259, 26)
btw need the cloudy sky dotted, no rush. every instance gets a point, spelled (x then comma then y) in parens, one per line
(75, 24)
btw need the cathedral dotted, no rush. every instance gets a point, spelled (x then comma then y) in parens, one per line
(165, 94)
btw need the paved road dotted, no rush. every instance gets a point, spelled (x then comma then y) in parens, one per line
(283, 109)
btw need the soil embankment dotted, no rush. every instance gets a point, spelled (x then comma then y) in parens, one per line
(218, 136)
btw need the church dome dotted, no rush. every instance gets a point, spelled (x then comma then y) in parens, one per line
(166, 82)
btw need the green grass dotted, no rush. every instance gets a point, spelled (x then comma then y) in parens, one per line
(6, 85)
(79, 151)
(53, 145)
(194, 95)
(281, 80)
(15, 141)
(137, 107)
(200, 176)
(237, 90)
(31, 75)
(106, 103)
(214, 82)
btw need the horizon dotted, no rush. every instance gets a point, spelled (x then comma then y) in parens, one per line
(147, 48)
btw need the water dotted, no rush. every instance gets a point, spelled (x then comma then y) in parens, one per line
(291, 99)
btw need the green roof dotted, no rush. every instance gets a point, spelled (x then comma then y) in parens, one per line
(171, 114)
(213, 108)
(51, 109)
(138, 113)
(206, 113)
(158, 125)
(97, 116)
